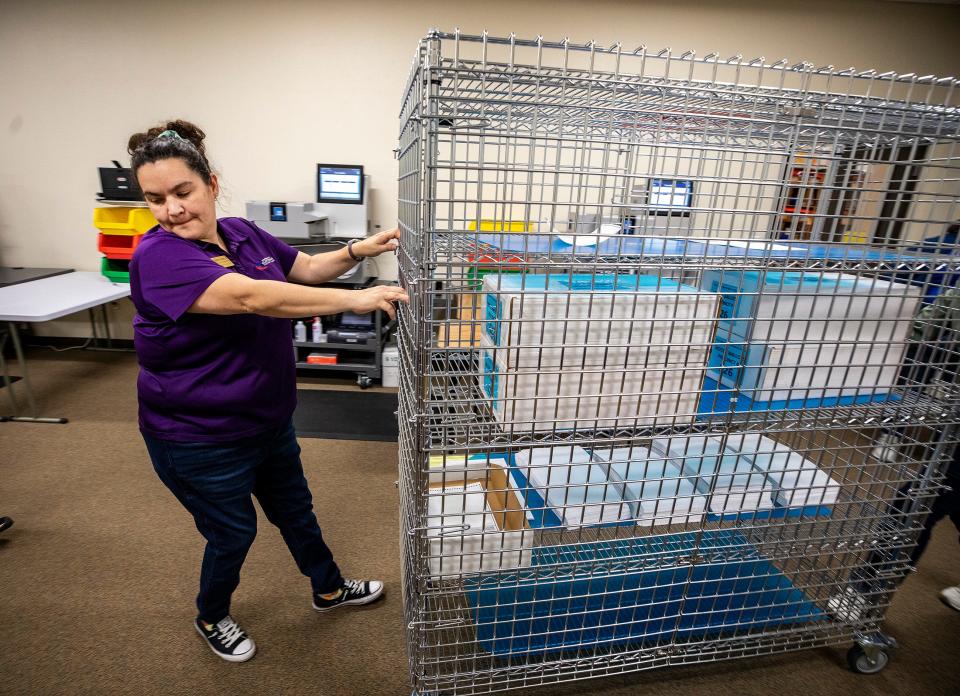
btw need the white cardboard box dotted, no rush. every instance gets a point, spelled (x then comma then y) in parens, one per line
(603, 351)
(539, 310)
(772, 306)
(598, 398)
(797, 481)
(477, 525)
(766, 373)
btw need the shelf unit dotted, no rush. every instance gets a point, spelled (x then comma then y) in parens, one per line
(363, 359)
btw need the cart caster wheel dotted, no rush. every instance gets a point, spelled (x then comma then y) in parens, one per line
(861, 663)
(364, 382)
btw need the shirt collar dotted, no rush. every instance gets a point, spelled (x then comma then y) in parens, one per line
(232, 236)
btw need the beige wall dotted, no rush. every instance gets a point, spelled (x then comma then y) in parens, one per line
(280, 86)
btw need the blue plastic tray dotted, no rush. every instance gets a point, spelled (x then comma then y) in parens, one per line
(542, 516)
(553, 614)
(715, 399)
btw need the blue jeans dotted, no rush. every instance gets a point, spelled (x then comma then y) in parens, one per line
(214, 482)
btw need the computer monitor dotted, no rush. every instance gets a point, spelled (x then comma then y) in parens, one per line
(340, 183)
(670, 196)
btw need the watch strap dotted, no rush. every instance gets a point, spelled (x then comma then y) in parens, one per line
(350, 251)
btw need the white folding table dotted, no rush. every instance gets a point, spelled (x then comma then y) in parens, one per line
(44, 300)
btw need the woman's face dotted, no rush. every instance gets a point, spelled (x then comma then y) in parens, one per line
(180, 200)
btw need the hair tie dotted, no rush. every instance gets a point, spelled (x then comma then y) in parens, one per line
(170, 134)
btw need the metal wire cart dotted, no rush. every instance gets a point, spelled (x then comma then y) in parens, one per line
(677, 373)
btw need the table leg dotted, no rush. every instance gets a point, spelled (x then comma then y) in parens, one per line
(7, 382)
(22, 362)
(96, 343)
(93, 327)
(106, 325)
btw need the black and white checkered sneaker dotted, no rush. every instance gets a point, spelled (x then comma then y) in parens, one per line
(227, 639)
(352, 592)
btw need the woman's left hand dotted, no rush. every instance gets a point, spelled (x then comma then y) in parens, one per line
(380, 243)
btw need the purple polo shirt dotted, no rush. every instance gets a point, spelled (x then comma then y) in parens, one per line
(205, 377)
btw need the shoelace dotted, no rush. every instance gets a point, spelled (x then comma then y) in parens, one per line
(230, 632)
(352, 587)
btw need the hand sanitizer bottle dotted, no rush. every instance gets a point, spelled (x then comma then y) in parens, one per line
(300, 332)
(316, 331)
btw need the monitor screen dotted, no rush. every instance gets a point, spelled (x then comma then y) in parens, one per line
(339, 183)
(352, 319)
(674, 196)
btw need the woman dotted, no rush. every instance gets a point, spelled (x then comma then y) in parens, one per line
(217, 383)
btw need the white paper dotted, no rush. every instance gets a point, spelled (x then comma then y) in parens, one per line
(593, 238)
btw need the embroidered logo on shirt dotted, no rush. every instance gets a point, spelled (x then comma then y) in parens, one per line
(264, 262)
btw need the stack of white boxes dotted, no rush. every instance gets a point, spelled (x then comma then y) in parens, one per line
(564, 351)
(815, 337)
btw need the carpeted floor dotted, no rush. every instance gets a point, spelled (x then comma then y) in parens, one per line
(98, 574)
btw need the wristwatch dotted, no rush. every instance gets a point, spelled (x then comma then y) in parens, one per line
(350, 253)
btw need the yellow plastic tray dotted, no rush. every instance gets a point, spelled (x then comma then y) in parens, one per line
(123, 220)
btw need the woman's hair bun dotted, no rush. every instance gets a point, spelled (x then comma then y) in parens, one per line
(149, 147)
(185, 129)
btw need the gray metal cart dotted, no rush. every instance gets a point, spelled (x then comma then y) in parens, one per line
(677, 372)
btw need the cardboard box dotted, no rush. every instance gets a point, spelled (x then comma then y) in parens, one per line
(797, 481)
(476, 524)
(773, 373)
(559, 349)
(459, 334)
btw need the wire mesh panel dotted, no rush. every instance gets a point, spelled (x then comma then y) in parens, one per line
(678, 369)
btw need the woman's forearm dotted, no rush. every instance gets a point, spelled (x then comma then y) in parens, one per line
(330, 265)
(234, 293)
(288, 300)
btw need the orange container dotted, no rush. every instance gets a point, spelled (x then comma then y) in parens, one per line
(322, 359)
(118, 246)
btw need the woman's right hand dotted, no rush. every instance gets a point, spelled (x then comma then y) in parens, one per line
(378, 297)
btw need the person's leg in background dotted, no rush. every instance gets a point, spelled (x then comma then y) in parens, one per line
(865, 580)
(283, 493)
(214, 483)
(947, 505)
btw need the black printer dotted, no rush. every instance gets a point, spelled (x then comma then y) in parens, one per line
(352, 328)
